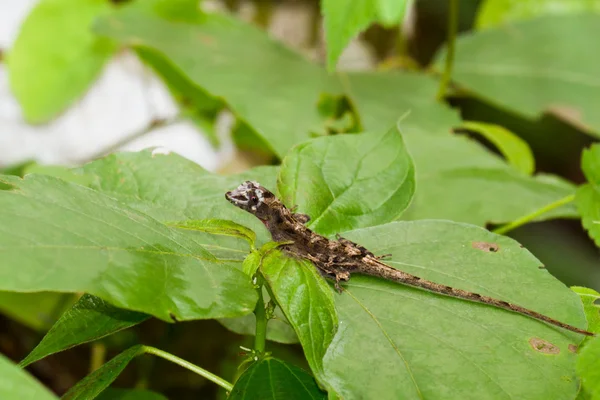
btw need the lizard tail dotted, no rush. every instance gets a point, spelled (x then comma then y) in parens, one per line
(379, 269)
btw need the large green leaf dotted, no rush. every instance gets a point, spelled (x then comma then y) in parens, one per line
(18, 384)
(270, 378)
(211, 54)
(459, 180)
(56, 56)
(498, 12)
(307, 302)
(396, 341)
(58, 236)
(511, 68)
(588, 195)
(172, 188)
(350, 181)
(89, 319)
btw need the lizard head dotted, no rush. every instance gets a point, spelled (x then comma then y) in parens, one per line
(252, 197)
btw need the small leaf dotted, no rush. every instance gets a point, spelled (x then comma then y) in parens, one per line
(270, 378)
(129, 394)
(515, 149)
(343, 20)
(56, 57)
(89, 319)
(591, 305)
(93, 384)
(303, 295)
(391, 12)
(348, 181)
(391, 335)
(590, 164)
(50, 228)
(216, 227)
(18, 384)
(587, 197)
(588, 368)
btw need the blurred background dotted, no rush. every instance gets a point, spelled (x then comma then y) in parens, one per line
(128, 107)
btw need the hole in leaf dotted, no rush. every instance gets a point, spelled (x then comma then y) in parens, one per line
(487, 247)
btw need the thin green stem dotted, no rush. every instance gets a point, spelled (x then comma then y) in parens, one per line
(261, 322)
(98, 355)
(188, 365)
(530, 217)
(451, 39)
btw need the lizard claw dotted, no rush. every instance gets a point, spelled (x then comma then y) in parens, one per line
(383, 256)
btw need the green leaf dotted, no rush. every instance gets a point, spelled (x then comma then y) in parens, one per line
(461, 181)
(93, 384)
(396, 341)
(217, 227)
(588, 367)
(18, 384)
(391, 12)
(591, 305)
(587, 197)
(590, 164)
(56, 57)
(129, 394)
(58, 171)
(512, 70)
(172, 188)
(498, 12)
(343, 20)
(51, 229)
(349, 181)
(37, 311)
(89, 319)
(303, 296)
(270, 378)
(210, 54)
(513, 148)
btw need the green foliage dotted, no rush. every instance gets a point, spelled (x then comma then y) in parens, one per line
(513, 148)
(348, 181)
(89, 319)
(588, 195)
(56, 56)
(371, 155)
(512, 70)
(270, 378)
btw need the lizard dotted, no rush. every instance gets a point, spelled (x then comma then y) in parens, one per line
(338, 259)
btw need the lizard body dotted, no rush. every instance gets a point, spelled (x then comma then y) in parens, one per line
(338, 259)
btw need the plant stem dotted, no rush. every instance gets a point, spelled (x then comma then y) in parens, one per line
(530, 217)
(98, 355)
(451, 39)
(188, 365)
(261, 322)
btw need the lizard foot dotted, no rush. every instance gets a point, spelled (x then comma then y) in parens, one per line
(383, 256)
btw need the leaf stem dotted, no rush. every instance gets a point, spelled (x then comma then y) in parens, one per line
(530, 217)
(188, 365)
(261, 321)
(98, 356)
(451, 39)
